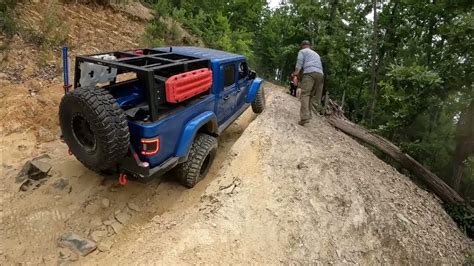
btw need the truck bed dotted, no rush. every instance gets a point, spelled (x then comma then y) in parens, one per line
(171, 125)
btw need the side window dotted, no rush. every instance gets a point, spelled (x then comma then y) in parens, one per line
(243, 70)
(229, 75)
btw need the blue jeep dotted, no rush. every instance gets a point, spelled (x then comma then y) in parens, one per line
(143, 112)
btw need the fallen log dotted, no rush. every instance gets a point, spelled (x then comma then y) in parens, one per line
(336, 118)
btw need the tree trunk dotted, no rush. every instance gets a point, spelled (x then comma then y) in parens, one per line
(429, 36)
(374, 63)
(434, 183)
(457, 175)
(390, 41)
(465, 143)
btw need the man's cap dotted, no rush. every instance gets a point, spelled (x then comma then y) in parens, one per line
(305, 42)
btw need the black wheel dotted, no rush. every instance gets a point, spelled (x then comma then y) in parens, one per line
(202, 154)
(94, 127)
(258, 105)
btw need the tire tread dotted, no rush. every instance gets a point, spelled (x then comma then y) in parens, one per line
(189, 171)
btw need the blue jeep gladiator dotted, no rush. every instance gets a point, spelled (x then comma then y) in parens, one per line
(143, 112)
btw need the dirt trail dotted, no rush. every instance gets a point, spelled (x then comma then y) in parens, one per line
(33, 221)
(291, 194)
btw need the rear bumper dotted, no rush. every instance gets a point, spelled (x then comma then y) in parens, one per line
(130, 166)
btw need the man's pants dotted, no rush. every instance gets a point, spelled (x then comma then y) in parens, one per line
(311, 93)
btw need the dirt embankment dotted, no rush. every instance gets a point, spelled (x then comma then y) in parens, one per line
(308, 195)
(30, 75)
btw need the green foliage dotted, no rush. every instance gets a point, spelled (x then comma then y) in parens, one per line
(406, 91)
(154, 36)
(227, 26)
(7, 21)
(467, 184)
(462, 217)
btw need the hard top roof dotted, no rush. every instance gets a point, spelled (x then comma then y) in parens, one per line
(201, 52)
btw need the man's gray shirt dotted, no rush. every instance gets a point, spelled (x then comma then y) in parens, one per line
(309, 61)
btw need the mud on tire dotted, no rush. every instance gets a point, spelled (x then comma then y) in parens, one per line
(201, 155)
(94, 127)
(258, 105)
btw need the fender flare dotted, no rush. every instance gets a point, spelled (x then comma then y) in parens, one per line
(254, 87)
(190, 130)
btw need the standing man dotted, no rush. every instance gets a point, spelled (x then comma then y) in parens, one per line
(312, 82)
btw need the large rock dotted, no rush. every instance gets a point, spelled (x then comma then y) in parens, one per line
(105, 246)
(122, 217)
(77, 244)
(36, 169)
(98, 235)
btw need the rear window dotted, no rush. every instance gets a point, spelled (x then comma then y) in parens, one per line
(229, 75)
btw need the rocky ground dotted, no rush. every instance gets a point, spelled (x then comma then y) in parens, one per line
(291, 194)
(36, 214)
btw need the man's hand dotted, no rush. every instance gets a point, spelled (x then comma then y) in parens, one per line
(298, 93)
(295, 73)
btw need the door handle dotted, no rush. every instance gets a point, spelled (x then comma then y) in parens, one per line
(226, 97)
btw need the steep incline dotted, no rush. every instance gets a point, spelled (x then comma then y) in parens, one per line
(291, 194)
(31, 76)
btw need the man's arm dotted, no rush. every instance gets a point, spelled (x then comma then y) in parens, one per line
(299, 63)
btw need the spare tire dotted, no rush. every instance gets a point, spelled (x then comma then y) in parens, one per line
(94, 127)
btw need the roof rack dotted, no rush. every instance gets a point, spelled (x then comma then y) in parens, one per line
(143, 60)
(152, 66)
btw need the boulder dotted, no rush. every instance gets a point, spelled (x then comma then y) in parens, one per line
(35, 169)
(122, 217)
(77, 244)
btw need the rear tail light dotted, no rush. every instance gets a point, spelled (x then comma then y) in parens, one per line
(150, 147)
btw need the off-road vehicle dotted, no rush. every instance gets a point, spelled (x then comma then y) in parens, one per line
(143, 112)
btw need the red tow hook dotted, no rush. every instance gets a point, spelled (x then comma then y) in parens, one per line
(123, 179)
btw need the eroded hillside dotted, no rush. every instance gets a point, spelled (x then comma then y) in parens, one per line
(291, 194)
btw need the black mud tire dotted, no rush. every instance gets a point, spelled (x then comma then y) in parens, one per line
(258, 105)
(94, 127)
(200, 158)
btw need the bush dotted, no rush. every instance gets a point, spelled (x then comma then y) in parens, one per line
(7, 21)
(462, 217)
(154, 34)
